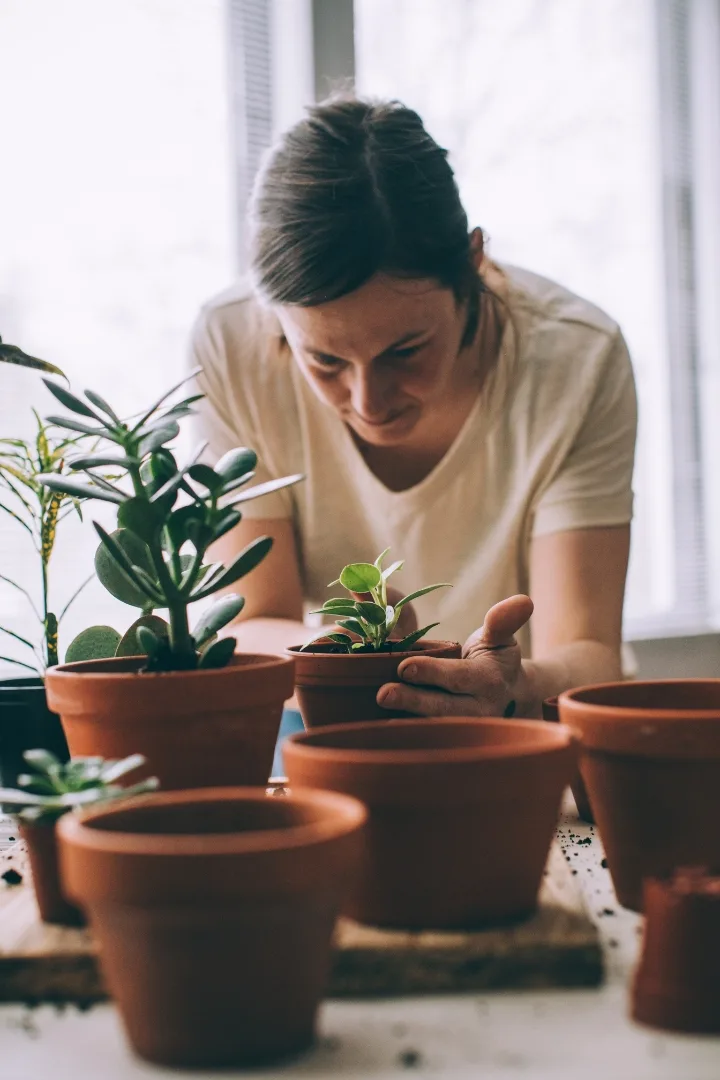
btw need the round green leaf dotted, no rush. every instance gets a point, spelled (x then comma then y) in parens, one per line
(142, 518)
(95, 643)
(236, 463)
(219, 653)
(372, 613)
(130, 646)
(206, 476)
(360, 577)
(110, 575)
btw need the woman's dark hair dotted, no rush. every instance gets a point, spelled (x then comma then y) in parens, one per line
(354, 189)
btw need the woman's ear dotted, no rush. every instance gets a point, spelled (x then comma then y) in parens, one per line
(477, 246)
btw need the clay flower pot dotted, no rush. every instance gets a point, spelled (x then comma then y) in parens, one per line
(650, 758)
(461, 813)
(26, 723)
(551, 713)
(334, 687)
(677, 985)
(42, 850)
(214, 912)
(195, 728)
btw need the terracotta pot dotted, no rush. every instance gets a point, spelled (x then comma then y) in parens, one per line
(650, 759)
(461, 813)
(551, 713)
(334, 688)
(195, 728)
(42, 851)
(26, 723)
(677, 985)
(214, 912)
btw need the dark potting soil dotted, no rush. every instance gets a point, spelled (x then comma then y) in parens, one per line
(11, 877)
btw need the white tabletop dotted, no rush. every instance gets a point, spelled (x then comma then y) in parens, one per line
(546, 1035)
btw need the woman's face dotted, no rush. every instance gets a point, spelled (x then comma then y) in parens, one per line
(383, 357)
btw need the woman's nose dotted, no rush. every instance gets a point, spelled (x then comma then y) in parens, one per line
(370, 395)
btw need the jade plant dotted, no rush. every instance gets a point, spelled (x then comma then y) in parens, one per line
(370, 622)
(53, 789)
(168, 516)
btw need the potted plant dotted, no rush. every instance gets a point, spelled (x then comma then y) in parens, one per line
(52, 789)
(214, 912)
(650, 759)
(337, 679)
(199, 714)
(461, 813)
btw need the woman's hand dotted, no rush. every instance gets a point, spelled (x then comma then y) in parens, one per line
(488, 681)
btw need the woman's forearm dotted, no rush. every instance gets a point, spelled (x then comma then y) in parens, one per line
(579, 663)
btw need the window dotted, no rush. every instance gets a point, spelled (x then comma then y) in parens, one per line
(581, 135)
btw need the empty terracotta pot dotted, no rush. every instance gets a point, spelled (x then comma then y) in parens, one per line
(677, 984)
(461, 813)
(214, 912)
(53, 904)
(195, 728)
(650, 759)
(551, 713)
(339, 688)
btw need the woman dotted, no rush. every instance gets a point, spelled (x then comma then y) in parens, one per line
(478, 420)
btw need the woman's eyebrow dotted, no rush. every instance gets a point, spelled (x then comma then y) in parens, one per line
(319, 355)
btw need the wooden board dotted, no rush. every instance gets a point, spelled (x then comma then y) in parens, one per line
(558, 946)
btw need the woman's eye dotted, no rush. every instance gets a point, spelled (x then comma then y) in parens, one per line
(405, 354)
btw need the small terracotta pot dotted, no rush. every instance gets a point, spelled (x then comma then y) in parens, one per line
(677, 985)
(461, 813)
(214, 912)
(650, 759)
(551, 713)
(195, 728)
(52, 902)
(335, 688)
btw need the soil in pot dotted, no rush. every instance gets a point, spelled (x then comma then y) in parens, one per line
(26, 723)
(53, 904)
(650, 759)
(214, 912)
(195, 728)
(337, 687)
(461, 813)
(551, 713)
(677, 984)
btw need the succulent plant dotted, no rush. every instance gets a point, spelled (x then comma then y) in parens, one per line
(53, 789)
(168, 516)
(370, 622)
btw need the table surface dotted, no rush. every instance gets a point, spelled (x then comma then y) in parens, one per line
(546, 1035)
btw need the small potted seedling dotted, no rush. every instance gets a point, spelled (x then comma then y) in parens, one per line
(339, 673)
(200, 715)
(54, 788)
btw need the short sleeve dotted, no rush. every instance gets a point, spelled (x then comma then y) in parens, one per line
(229, 414)
(593, 485)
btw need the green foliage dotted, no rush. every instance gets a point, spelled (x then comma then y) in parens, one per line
(11, 354)
(53, 789)
(168, 516)
(95, 643)
(371, 622)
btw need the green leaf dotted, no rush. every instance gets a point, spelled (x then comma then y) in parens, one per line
(70, 401)
(11, 354)
(124, 564)
(267, 488)
(74, 597)
(421, 592)
(354, 626)
(236, 463)
(143, 518)
(130, 645)
(157, 469)
(378, 561)
(157, 438)
(226, 523)
(94, 461)
(372, 613)
(111, 771)
(68, 485)
(219, 654)
(41, 760)
(22, 664)
(148, 641)
(110, 575)
(153, 408)
(179, 521)
(175, 481)
(393, 568)
(77, 425)
(341, 639)
(337, 607)
(412, 638)
(95, 643)
(360, 578)
(219, 614)
(246, 561)
(206, 476)
(101, 403)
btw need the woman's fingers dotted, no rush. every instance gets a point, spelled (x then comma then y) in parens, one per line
(425, 702)
(501, 624)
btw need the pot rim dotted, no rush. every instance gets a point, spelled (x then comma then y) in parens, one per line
(85, 668)
(612, 713)
(342, 814)
(550, 739)
(295, 651)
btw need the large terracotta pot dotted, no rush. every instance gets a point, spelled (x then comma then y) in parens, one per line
(650, 758)
(334, 688)
(214, 912)
(461, 813)
(53, 904)
(26, 723)
(677, 984)
(195, 728)
(551, 713)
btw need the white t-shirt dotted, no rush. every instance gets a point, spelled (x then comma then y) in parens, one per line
(548, 446)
